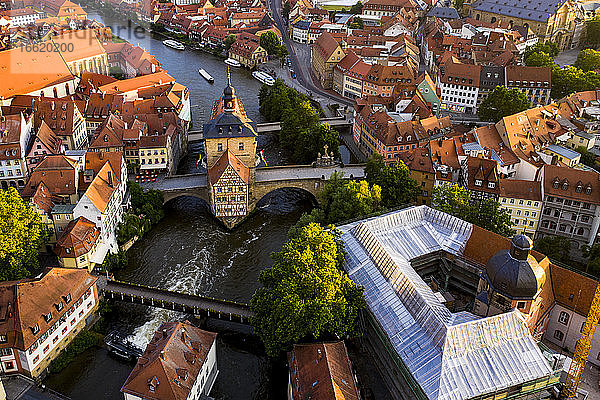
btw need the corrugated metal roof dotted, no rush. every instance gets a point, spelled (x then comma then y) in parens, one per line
(452, 356)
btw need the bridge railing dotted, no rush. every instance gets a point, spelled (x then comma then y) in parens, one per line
(178, 294)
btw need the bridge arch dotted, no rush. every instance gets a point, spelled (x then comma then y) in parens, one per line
(297, 192)
(199, 193)
(311, 187)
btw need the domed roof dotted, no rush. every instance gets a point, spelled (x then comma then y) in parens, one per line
(515, 273)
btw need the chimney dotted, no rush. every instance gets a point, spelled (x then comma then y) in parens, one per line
(52, 105)
(162, 354)
(109, 177)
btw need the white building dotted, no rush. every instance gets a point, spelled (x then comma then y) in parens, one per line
(102, 203)
(15, 135)
(459, 86)
(42, 316)
(180, 363)
(22, 16)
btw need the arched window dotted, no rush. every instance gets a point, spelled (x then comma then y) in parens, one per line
(477, 17)
(563, 318)
(580, 231)
(493, 19)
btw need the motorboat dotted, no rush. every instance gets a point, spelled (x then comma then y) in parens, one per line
(206, 75)
(173, 44)
(263, 77)
(233, 63)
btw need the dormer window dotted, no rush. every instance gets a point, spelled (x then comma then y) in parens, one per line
(35, 329)
(579, 188)
(48, 317)
(588, 189)
(555, 184)
(478, 182)
(3, 339)
(491, 185)
(60, 306)
(68, 298)
(565, 185)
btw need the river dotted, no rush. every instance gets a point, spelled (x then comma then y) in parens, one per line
(188, 251)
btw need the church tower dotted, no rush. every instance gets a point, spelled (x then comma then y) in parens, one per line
(230, 141)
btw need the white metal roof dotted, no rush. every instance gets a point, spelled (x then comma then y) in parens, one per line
(453, 356)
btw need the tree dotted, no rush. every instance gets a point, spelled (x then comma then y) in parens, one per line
(587, 157)
(588, 60)
(357, 23)
(569, 79)
(305, 294)
(22, 233)
(287, 7)
(356, 8)
(114, 262)
(488, 214)
(270, 42)
(539, 59)
(229, 40)
(397, 186)
(342, 199)
(452, 199)
(555, 247)
(282, 53)
(273, 100)
(304, 136)
(502, 102)
(592, 32)
(548, 47)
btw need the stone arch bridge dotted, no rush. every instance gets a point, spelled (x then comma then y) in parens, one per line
(268, 179)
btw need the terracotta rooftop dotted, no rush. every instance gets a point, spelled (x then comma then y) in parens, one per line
(171, 362)
(321, 371)
(23, 304)
(228, 159)
(571, 183)
(521, 189)
(78, 238)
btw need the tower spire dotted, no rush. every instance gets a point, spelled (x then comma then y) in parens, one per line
(228, 76)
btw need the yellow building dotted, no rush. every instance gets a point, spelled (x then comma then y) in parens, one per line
(229, 187)
(230, 143)
(78, 244)
(523, 201)
(566, 156)
(325, 54)
(581, 139)
(560, 21)
(82, 51)
(421, 169)
(247, 50)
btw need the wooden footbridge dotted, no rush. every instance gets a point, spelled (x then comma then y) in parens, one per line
(169, 300)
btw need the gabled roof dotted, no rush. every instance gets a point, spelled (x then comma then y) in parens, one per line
(521, 189)
(228, 159)
(325, 44)
(571, 183)
(48, 138)
(78, 238)
(58, 174)
(524, 9)
(321, 371)
(103, 186)
(171, 362)
(24, 303)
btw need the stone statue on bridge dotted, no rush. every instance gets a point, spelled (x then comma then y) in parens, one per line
(326, 159)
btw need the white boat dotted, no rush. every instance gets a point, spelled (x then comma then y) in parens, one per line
(233, 63)
(264, 78)
(206, 75)
(174, 44)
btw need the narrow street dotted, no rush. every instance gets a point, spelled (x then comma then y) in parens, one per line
(300, 56)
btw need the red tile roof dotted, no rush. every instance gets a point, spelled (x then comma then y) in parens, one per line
(78, 238)
(321, 371)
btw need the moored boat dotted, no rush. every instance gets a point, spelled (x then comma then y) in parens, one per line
(174, 44)
(206, 75)
(233, 63)
(264, 78)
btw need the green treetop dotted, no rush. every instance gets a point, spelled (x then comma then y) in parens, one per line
(456, 200)
(588, 60)
(539, 59)
(555, 247)
(305, 294)
(270, 42)
(397, 186)
(501, 102)
(229, 40)
(21, 235)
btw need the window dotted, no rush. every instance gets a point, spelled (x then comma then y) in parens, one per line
(220, 147)
(520, 305)
(241, 146)
(478, 182)
(35, 329)
(68, 298)
(563, 318)
(558, 335)
(3, 339)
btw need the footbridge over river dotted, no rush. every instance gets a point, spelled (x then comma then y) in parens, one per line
(268, 179)
(194, 304)
(274, 127)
